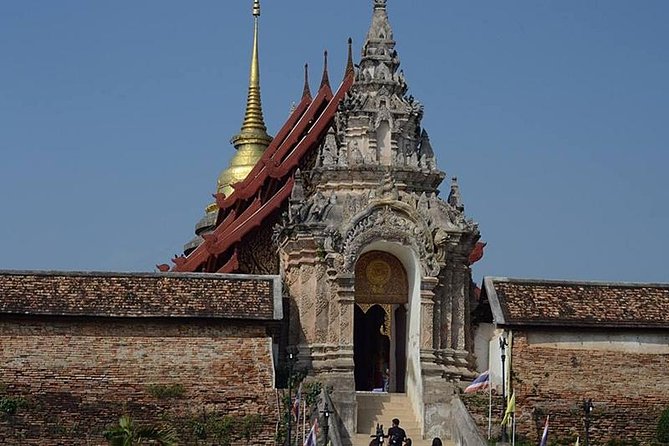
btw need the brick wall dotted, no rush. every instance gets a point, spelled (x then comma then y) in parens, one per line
(629, 390)
(78, 375)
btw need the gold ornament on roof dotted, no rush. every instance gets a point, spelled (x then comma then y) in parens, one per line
(252, 139)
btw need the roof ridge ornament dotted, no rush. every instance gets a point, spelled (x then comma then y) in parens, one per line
(349, 60)
(325, 80)
(306, 91)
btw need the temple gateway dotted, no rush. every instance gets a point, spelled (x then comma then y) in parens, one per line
(331, 243)
(344, 204)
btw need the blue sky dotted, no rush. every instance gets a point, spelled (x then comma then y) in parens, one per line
(115, 120)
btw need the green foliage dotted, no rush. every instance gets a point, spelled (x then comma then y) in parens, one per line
(476, 401)
(127, 433)
(561, 441)
(622, 442)
(9, 405)
(311, 395)
(523, 441)
(663, 427)
(250, 425)
(320, 251)
(311, 392)
(223, 429)
(166, 391)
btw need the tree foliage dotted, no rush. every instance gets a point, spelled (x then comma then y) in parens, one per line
(663, 427)
(127, 433)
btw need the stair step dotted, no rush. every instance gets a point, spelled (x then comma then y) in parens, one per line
(381, 408)
(363, 440)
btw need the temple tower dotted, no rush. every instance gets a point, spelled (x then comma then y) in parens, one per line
(376, 264)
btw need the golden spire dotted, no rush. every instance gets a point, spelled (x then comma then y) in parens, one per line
(253, 129)
(252, 139)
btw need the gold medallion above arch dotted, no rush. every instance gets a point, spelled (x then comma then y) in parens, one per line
(380, 278)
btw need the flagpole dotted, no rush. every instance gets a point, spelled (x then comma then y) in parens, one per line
(304, 421)
(489, 408)
(544, 436)
(513, 430)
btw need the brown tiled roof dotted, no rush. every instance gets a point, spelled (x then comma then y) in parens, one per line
(544, 302)
(139, 295)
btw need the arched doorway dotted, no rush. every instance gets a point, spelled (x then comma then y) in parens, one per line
(380, 323)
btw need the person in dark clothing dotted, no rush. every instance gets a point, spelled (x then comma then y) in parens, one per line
(396, 434)
(377, 438)
(436, 441)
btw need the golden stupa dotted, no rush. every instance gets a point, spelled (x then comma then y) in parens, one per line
(252, 139)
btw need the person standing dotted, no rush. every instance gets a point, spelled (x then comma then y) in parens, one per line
(396, 434)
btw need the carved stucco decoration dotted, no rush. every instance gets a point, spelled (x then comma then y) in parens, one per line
(354, 204)
(329, 149)
(380, 278)
(389, 221)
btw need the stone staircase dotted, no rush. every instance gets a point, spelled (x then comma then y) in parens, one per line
(381, 408)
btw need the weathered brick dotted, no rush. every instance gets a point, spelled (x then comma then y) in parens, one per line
(78, 375)
(82, 349)
(629, 391)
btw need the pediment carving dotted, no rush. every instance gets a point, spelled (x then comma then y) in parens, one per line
(390, 224)
(380, 278)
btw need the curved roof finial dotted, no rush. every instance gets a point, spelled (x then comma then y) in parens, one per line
(349, 62)
(325, 80)
(306, 92)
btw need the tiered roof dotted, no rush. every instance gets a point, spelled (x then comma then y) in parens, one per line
(270, 182)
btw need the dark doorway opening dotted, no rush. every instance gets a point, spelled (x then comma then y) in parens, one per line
(380, 323)
(400, 348)
(379, 349)
(371, 349)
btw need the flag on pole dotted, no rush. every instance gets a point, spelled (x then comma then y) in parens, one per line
(313, 435)
(544, 437)
(481, 382)
(296, 403)
(510, 409)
